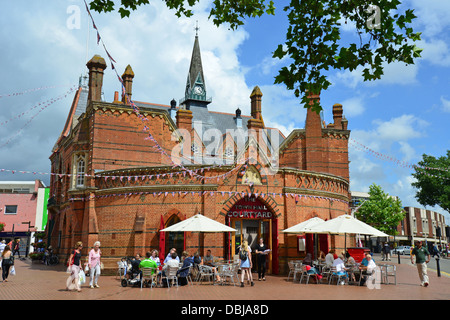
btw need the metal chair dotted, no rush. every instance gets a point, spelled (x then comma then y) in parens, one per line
(391, 271)
(148, 274)
(335, 274)
(230, 272)
(297, 269)
(204, 272)
(326, 272)
(170, 274)
(308, 273)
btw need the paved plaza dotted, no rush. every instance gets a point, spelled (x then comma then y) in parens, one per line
(39, 282)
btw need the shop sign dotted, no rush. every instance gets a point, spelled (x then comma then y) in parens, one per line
(250, 208)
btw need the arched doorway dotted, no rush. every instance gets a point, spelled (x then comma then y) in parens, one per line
(253, 220)
(174, 239)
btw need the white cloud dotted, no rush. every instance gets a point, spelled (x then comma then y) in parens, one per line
(445, 104)
(353, 106)
(401, 128)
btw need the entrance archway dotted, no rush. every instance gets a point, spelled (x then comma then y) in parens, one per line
(253, 219)
(174, 239)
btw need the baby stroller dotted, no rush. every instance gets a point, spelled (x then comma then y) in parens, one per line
(132, 274)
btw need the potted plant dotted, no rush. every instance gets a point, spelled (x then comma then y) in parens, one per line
(2, 226)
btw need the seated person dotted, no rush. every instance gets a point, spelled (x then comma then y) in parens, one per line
(329, 258)
(188, 261)
(148, 263)
(308, 262)
(321, 257)
(172, 262)
(367, 267)
(208, 260)
(135, 267)
(340, 266)
(168, 258)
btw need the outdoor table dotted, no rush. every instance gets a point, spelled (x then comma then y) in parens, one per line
(354, 272)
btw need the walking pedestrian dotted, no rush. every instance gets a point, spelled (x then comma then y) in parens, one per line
(16, 247)
(245, 255)
(94, 265)
(422, 258)
(7, 262)
(75, 267)
(261, 251)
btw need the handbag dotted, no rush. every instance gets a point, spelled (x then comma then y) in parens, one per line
(8, 261)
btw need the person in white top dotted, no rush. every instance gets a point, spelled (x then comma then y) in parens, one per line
(340, 265)
(367, 270)
(329, 258)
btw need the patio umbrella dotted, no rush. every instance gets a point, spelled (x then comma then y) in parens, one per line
(301, 227)
(345, 224)
(199, 223)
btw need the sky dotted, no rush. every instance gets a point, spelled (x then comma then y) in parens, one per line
(46, 44)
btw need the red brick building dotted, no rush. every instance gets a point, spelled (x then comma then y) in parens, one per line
(118, 185)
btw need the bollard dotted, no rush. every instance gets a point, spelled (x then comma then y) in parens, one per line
(438, 267)
(398, 255)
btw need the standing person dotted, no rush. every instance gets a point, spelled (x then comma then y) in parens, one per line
(422, 258)
(7, 262)
(94, 265)
(16, 247)
(386, 252)
(75, 266)
(245, 255)
(261, 259)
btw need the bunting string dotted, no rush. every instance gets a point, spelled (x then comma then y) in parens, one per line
(42, 108)
(15, 94)
(40, 105)
(296, 197)
(359, 146)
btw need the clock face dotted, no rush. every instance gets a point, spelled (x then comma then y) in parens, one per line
(198, 90)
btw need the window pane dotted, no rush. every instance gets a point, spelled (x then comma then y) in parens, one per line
(10, 209)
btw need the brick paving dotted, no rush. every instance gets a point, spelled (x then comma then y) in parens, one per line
(39, 282)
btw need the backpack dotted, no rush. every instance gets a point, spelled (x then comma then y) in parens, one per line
(243, 255)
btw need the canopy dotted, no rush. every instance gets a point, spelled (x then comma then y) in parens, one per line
(303, 226)
(345, 224)
(198, 223)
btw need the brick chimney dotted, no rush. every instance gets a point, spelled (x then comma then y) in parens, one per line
(255, 98)
(96, 67)
(313, 134)
(337, 116)
(184, 119)
(256, 123)
(127, 78)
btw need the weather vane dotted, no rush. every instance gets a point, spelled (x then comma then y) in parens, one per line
(196, 28)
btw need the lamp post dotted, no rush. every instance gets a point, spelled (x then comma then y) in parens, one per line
(28, 237)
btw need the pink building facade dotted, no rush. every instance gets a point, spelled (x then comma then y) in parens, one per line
(22, 209)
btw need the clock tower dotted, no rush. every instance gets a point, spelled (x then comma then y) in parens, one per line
(195, 94)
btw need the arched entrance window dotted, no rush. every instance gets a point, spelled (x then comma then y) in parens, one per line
(253, 220)
(174, 239)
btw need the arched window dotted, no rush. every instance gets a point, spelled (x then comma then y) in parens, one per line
(80, 172)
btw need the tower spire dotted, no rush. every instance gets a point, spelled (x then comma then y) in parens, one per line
(195, 93)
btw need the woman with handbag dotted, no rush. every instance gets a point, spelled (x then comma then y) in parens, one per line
(74, 266)
(7, 262)
(94, 265)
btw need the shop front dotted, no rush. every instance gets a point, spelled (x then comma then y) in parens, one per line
(253, 220)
